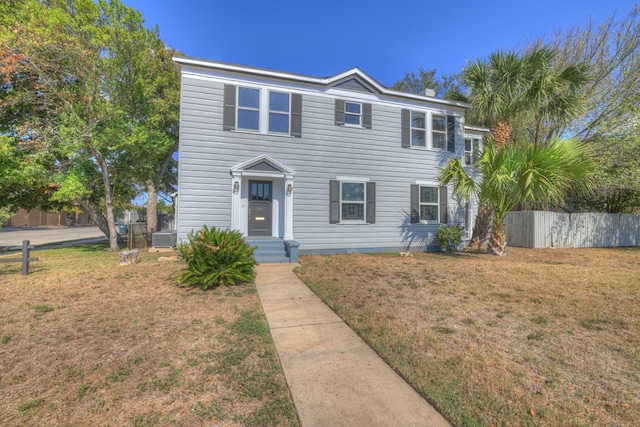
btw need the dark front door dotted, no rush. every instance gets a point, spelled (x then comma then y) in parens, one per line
(260, 197)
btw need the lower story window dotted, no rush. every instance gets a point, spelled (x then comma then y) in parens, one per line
(352, 201)
(429, 203)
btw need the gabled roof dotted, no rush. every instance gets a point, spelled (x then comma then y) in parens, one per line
(353, 76)
(262, 165)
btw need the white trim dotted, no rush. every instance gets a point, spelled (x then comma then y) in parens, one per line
(201, 63)
(352, 179)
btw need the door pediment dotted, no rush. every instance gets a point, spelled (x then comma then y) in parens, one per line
(262, 166)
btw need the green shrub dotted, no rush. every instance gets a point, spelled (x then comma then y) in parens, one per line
(216, 257)
(449, 237)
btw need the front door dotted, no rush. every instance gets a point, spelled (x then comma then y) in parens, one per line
(260, 197)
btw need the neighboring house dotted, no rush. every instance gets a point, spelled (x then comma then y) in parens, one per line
(36, 217)
(336, 164)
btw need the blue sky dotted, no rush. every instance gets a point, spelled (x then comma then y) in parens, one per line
(383, 38)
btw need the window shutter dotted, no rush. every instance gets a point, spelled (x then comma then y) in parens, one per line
(366, 116)
(415, 203)
(451, 133)
(339, 112)
(443, 205)
(405, 123)
(229, 114)
(371, 203)
(334, 202)
(296, 115)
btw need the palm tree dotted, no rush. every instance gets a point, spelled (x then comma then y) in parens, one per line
(521, 95)
(521, 176)
(529, 89)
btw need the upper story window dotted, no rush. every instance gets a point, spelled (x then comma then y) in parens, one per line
(261, 110)
(418, 129)
(438, 132)
(248, 109)
(279, 111)
(356, 114)
(427, 129)
(353, 113)
(471, 150)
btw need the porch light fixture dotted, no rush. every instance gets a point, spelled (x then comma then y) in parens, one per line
(236, 186)
(289, 188)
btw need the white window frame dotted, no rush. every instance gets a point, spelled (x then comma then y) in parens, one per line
(363, 202)
(437, 203)
(471, 153)
(270, 111)
(423, 129)
(238, 108)
(434, 131)
(351, 114)
(428, 130)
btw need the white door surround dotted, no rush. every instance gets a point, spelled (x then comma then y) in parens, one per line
(263, 167)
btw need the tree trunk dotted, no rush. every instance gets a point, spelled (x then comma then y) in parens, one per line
(502, 134)
(481, 229)
(93, 210)
(152, 209)
(498, 241)
(108, 199)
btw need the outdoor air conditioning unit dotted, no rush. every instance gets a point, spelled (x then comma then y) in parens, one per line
(164, 239)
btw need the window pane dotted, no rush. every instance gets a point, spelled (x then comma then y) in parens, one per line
(351, 119)
(278, 123)
(353, 211)
(350, 107)
(428, 213)
(248, 97)
(417, 120)
(418, 138)
(467, 158)
(353, 192)
(438, 123)
(439, 140)
(467, 144)
(279, 101)
(428, 195)
(248, 119)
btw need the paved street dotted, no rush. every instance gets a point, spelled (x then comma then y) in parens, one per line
(45, 235)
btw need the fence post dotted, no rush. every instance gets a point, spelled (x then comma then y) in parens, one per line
(25, 257)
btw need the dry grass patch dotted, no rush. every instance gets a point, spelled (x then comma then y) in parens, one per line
(84, 341)
(539, 337)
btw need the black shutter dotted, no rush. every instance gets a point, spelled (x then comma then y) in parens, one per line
(451, 133)
(415, 203)
(371, 203)
(296, 115)
(339, 117)
(334, 202)
(443, 205)
(366, 116)
(405, 123)
(229, 115)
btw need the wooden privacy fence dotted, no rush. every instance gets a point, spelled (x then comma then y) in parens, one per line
(542, 229)
(25, 259)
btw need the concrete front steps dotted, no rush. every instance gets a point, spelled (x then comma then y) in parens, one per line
(270, 250)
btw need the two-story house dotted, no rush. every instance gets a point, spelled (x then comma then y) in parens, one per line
(321, 165)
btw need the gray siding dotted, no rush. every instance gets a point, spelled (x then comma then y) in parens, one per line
(537, 229)
(323, 152)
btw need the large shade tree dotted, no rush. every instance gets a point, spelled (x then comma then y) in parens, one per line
(75, 99)
(520, 176)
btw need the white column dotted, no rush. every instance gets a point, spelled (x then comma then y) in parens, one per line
(236, 208)
(288, 208)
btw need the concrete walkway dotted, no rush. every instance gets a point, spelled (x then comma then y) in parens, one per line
(334, 377)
